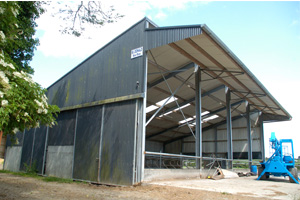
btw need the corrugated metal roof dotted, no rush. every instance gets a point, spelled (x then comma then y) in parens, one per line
(175, 47)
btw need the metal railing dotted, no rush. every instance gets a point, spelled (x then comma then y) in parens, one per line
(178, 161)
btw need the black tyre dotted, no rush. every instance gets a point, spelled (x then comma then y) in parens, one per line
(294, 172)
(260, 170)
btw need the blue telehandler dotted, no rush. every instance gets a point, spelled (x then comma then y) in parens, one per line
(281, 163)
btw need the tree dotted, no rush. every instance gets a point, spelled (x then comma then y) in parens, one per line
(23, 103)
(21, 48)
(78, 16)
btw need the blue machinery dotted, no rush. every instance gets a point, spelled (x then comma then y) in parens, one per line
(281, 163)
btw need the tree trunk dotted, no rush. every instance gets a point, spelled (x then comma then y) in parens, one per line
(1, 134)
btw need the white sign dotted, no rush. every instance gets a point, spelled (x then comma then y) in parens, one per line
(136, 52)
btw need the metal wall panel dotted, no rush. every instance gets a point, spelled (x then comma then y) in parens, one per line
(27, 149)
(118, 141)
(18, 141)
(86, 157)
(59, 161)
(39, 148)
(13, 158)
(154, 146)
(174, 147)
(162, 36)
(108, 73)
(63, 133)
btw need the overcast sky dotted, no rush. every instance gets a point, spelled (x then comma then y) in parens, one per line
(265, 36)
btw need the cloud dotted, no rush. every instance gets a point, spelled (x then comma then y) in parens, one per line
(295, 22)
(53, 43)
(160, 15)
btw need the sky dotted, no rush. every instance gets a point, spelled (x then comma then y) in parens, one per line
(265, 36)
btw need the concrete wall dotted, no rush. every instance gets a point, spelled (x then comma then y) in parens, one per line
(13, 158)
(164, 174)
(59, 161)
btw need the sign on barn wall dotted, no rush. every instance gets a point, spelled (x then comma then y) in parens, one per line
(136, 52)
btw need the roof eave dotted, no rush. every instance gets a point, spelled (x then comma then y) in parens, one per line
(207, 30)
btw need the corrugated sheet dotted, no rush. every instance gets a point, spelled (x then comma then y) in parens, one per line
(63, 133)
(109, 73)
(161, 36)
(118, 141)
(86, 157)
(39, 148)
(26, 159)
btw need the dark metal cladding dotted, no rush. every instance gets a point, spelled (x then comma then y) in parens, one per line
(63, 133)
(39, 147)
(26, 160)
(16, 141)
(161, 36)
(86, 159)
(118, 139)
(108, 73)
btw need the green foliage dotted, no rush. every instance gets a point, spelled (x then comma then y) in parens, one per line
(18, 24)
(31, 169)
(34, 175)
(56, 179)
(23, 103)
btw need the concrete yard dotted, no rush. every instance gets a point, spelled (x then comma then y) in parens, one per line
(16, 187)
(274, 188)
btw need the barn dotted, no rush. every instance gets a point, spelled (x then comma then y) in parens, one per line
(152, 98)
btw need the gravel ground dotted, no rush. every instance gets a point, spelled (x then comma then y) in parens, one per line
(15, 187)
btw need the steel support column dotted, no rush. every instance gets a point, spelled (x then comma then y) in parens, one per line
(198, 143)
(141, 158)
(249, 137)
(216, 141)
(229, 127)
(262, 137)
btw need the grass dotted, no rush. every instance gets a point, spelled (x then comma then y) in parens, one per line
(34, 175)
(225, 193)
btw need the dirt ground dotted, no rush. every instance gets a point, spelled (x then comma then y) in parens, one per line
(15, 187)
(273, 188)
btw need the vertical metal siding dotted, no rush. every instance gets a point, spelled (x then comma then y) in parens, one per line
(63, 133)
(27, 149)
(39, 148)
(87, 142)
(117, 151)
(159, 37)
(109, 73)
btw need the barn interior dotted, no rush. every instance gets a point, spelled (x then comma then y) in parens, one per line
(234, 104)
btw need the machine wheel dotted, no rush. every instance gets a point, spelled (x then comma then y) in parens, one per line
(260, 170)
(294, 172)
